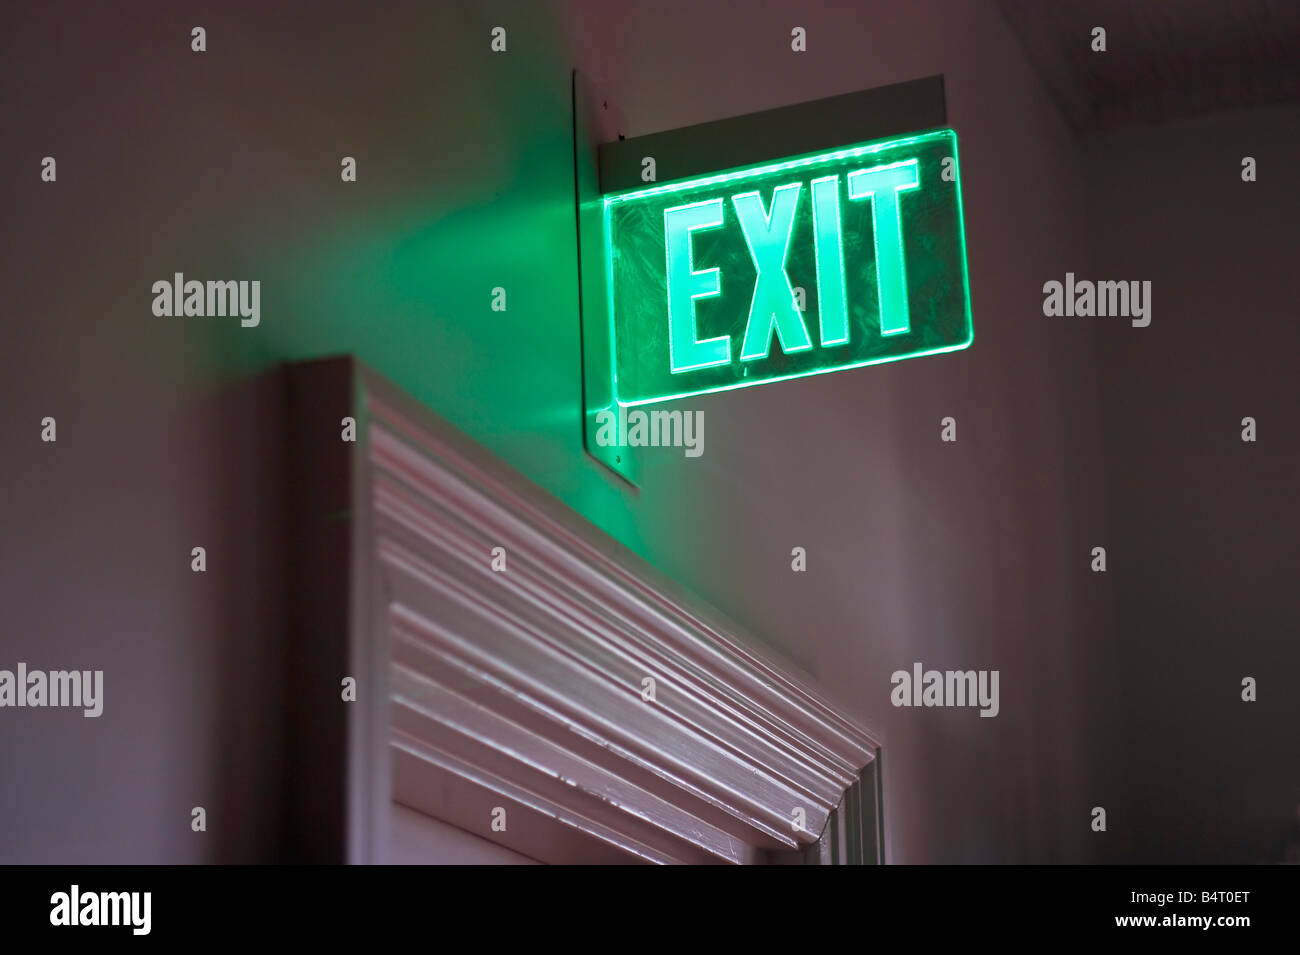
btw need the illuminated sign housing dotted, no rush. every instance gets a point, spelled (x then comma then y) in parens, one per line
(818, 263)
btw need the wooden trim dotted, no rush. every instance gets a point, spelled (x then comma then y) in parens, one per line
(523, 689)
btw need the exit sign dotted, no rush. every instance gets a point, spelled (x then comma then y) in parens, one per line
(809, 265)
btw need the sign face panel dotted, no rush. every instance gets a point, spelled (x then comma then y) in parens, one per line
(792, 268)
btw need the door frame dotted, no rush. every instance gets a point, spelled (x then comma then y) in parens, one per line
(523, 690)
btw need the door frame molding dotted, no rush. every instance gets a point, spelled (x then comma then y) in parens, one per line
(523, 690)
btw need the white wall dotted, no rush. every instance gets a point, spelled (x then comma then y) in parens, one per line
(1205, 526)
(966, 555)
(417, 839)
(225, 165)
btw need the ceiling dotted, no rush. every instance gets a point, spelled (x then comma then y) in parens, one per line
(1164, 58)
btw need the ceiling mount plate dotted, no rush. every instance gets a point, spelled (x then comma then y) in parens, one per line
(595, 122)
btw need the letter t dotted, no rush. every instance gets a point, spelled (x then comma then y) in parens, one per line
(883, 184)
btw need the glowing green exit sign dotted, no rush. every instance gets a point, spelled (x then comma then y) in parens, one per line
(800, 267)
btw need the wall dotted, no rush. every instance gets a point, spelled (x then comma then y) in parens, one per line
(226, 165)
(965, 555)
(1205, 525)
(418, 839)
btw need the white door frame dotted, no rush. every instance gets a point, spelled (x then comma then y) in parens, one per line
(523, 690)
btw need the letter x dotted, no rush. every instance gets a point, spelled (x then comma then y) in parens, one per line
(768, 237)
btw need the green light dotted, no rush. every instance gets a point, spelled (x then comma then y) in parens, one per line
(830, 260)
(686, 285)
(701, 276)
(882, 184)
(768, 238)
